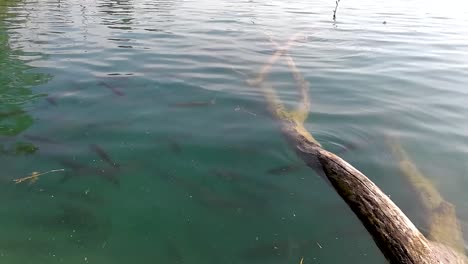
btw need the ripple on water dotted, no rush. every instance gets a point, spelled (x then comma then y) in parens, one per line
(160, 87)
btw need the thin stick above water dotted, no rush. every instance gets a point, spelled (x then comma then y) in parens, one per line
(336, 9)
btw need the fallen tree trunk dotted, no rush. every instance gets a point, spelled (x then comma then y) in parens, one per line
(395, 235)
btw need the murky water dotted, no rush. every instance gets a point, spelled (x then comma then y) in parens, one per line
(170, 156)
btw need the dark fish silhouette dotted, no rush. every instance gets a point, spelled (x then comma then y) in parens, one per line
(52, 100)
(173, 252)
(54, 97)
(195, 103)
(103, 155)
(80, 169)
(40, 139)
(285, 169)
(115, 90)
(175, 147)
(71, 164)
(236, 177)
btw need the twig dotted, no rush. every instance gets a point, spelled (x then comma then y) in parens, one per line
(35, 176)
(334, 11)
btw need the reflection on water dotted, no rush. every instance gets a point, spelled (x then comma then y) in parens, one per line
(16, 81)
(169, 156)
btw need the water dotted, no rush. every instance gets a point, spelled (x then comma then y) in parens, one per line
(159, 86)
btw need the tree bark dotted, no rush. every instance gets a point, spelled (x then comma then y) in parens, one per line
(395, 235)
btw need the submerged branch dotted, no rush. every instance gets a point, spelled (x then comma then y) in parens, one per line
(35, 176)
(303, 108)
(395, 235)
(266, 68)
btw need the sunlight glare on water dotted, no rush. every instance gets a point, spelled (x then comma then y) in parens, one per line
(170, 156)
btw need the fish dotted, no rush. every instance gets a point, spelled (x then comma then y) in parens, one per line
(285, 169)
(77, 217)
(173, 252)
(175, 147)
(40, 139)
(72, 164)
(52, 100)
(195, 103)
(80, 169)
(236, 177)
(254, 198)
(103, 155)
(115, 90)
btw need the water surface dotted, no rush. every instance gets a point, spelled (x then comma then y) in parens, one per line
(170, 156)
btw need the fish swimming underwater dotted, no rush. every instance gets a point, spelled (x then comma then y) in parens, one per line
(285, 169)
(195, 103)
(79, 169)
(40, 139)
(115, 90)
(103, 155)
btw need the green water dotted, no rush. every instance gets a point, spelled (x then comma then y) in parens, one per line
(159, 86)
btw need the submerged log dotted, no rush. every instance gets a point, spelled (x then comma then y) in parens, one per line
(395, 235)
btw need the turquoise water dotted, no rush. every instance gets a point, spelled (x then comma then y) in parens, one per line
(170, 157)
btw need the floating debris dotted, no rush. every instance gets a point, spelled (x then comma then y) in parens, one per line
(103, 155)
(115, 90)
(35, 176)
